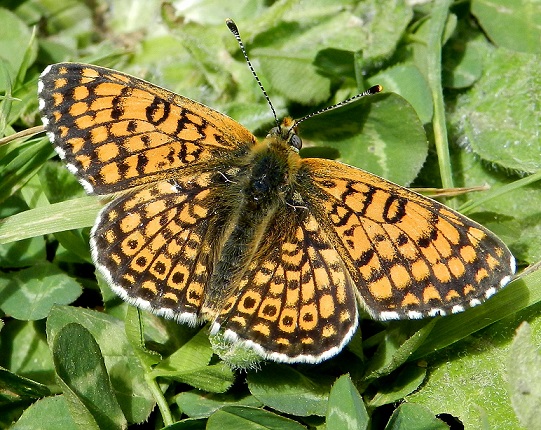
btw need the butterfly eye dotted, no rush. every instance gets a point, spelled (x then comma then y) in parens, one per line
(274, 131)
(295, 141)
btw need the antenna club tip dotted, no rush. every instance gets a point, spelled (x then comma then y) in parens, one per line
(232, 26)
(375, 89)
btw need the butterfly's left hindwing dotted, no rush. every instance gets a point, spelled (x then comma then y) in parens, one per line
(154, 245)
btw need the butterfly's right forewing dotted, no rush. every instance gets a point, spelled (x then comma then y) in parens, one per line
(409, 255)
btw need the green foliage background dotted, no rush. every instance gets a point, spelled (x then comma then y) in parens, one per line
(460, 108)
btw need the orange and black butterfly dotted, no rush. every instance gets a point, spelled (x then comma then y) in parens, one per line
(275, 251)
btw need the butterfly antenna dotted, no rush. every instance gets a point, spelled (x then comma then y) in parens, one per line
(370, 91)
(235, 30)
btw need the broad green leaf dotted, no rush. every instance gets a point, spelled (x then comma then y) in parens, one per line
(192, 355)
(397, 347)
(513, 24)
(123, 366)
(294, 76)
(398, 385)
(499, 118)
(198, 404)
(49, 413)
(287, 390)
(462, 65)
(57, 183)
(14, 388)
(409, 416)
(513, 216)
(408, 82)
(246, 418)
(524, 377)
(189, 365)
(205, 11)
(29, 294)
(371, 27)
(519, 295)
(25, 351)
(346, 409)
(215, 378)
(476, 372)
(135, 335)
(381, 134)
(188, 424)
(84, 378)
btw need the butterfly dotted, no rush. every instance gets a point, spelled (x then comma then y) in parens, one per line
(277, 252)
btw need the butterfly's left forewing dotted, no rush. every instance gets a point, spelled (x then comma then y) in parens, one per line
(115, 131)
(409, 256)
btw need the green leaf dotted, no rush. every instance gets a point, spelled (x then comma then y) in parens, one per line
(58, 184)
(520, 294)
(513, 24)
(381, 134)
(25, 351)
(49, 413)
(29, 294)
(246, 418)
(188, 424)
(57, 217)
(524, 377)
(475, 371)
(189, 365)
(500, 132)
(285, 389)
(84, 378)
(398, 385)
(371, 27)
(14, 388)
(461, 57)
(410, 416)
(14, 34)
(408, 82)
(21, 253)
(514, 215)
(302, 83)
(198, 404)
(397, 347)
(19, 161)
(123, 366)
(215, 378)
(346, 409)
(135, 335)
(192, 355)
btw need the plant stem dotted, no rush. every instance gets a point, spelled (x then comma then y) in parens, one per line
(438, 19)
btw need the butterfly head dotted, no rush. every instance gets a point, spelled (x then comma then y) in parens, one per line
(287, 132)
